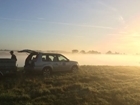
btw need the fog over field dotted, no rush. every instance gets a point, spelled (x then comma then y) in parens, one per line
(90, 59)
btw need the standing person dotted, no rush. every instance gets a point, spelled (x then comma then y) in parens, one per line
(13, 57)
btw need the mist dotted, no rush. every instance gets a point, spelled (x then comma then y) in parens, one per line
(105, 59)
(90, 59)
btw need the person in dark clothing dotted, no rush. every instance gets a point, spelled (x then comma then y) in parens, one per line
(13, 57)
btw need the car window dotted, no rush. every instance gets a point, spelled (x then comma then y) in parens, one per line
(34, 57)
(43, 57)
(53, 58)
(62, 58)
(46, 58)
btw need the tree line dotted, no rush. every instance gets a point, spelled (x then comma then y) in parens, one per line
(84, 52)
(93, 52)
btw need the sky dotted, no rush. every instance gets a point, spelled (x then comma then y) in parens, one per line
(99, 25)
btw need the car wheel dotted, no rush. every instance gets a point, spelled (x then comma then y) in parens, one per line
(74, 69)
(46, 72)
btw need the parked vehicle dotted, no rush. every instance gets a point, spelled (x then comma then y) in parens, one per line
(47, 63)
(7, 67)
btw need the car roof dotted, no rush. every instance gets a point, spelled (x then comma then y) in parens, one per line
(49, 53)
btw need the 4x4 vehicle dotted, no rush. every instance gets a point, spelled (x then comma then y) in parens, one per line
(46, 63)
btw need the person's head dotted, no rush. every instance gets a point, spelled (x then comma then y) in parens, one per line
(11, 52)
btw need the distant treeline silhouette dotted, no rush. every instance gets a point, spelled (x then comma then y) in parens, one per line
(94, 52)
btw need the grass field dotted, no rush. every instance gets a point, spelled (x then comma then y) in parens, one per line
(91, 85)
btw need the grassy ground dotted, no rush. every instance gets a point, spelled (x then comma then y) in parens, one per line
(91, 85)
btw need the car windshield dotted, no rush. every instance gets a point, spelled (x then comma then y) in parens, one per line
(62, 58)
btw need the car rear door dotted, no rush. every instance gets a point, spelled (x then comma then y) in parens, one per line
(31, 58)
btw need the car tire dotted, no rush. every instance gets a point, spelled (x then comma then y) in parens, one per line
(46, 72)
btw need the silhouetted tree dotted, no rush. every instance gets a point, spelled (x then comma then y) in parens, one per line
(109, 52)
(94, 52)
(75, 51)
(82, 51)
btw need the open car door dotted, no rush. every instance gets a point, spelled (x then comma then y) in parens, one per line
(27, 51)
(30, 60)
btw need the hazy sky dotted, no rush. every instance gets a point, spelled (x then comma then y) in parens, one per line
(100, 25)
